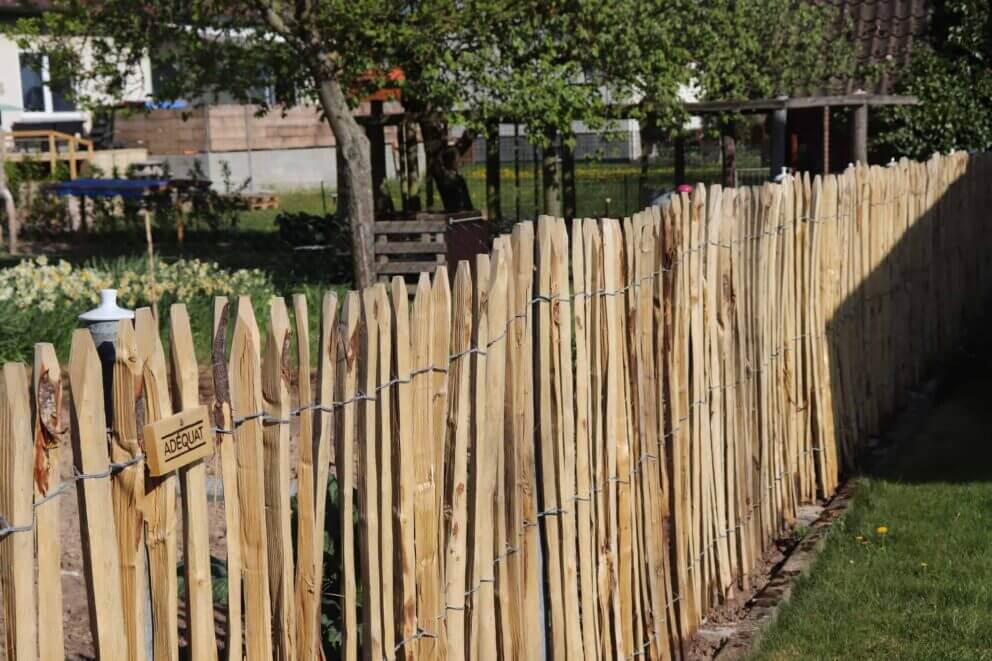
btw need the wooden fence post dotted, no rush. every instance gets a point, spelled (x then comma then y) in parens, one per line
(49, 430)
(196, 540)
(160, 493)
(89, 440)
(246, 399)
(309, 554)
(456, 561)
(275, 431)
(17, 562)
(323, 439)
(402, 395)
(129, 488)
(223, 419)
(345, 456)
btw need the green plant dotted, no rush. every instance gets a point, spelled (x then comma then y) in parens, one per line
(326, 236)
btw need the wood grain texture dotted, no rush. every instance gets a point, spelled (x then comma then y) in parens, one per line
(129, 487)
(404, 484)
(50, 428)
(196, 539)
(347, 420)
(275, 435)
(101, 564)
(246, 397)
(367, 441)
(223, 419)
(324, 427)
(430, 599)
(160, 494)
(459, 430)
(17, 563)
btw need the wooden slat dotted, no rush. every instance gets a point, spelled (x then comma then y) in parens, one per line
(196, 540)
(392, 268)
(309, 554)
(402, 395)
(564, 396)
(585, 504)
(482, 625)
(507, 597)
(17, 565)
(456, 560)
(368, 479)
(428, 566)
(101, 563)
(605, 519)
(345, 456)
(618, 443)
(384, 450)
(324, 429)
(440, 349)
(128, 487)
(275, 434)
(409, 226)
(409, 247)
(49, 430)
(246, 398)
(223, 419)
(160, 494)
(547, 441)
(525, 563)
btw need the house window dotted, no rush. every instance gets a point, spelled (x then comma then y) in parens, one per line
(40, 92)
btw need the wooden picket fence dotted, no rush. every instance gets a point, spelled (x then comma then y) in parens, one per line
(579, 444)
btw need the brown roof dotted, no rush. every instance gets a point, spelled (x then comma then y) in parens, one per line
(883, 32)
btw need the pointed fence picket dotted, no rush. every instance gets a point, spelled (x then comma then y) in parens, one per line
(579, 446)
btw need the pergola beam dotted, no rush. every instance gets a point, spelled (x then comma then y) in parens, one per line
(785, 103)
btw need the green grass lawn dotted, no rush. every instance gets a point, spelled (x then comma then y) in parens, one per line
(923, 590)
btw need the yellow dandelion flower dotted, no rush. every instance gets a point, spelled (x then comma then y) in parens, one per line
(882, 530)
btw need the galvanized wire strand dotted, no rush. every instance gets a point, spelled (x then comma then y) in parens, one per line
(6, 528)
(557, 510)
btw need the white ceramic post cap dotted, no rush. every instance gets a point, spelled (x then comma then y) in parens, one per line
(108, 310)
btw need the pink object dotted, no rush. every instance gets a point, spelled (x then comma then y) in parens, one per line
(683, 188)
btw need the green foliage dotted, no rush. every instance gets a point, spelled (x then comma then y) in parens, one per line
(325, 238)
(41, 302)
(543, 64)
(951, 73)
(764, 48)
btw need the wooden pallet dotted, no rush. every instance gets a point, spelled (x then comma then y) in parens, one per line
(410, 247)
(260, 201)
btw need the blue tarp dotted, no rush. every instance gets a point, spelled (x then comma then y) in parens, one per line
(126, 188)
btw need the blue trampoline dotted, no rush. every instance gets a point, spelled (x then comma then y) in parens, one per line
(131, 189)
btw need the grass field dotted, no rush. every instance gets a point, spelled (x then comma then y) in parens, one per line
(923, 589)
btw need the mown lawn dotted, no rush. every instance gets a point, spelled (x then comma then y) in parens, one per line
(923, 590)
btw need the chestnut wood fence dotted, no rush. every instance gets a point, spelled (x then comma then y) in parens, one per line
(580, 443)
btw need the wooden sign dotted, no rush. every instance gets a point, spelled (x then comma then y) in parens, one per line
(178, 440)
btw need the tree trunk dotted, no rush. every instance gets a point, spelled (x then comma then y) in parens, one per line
(8, 200)
(412, 161)
(551, 178)
(729, 156)
(435, 135)
(354, 149)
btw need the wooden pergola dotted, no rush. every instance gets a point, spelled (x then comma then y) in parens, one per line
(778, 111)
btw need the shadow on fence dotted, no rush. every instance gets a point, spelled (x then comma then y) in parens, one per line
(576, 446)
